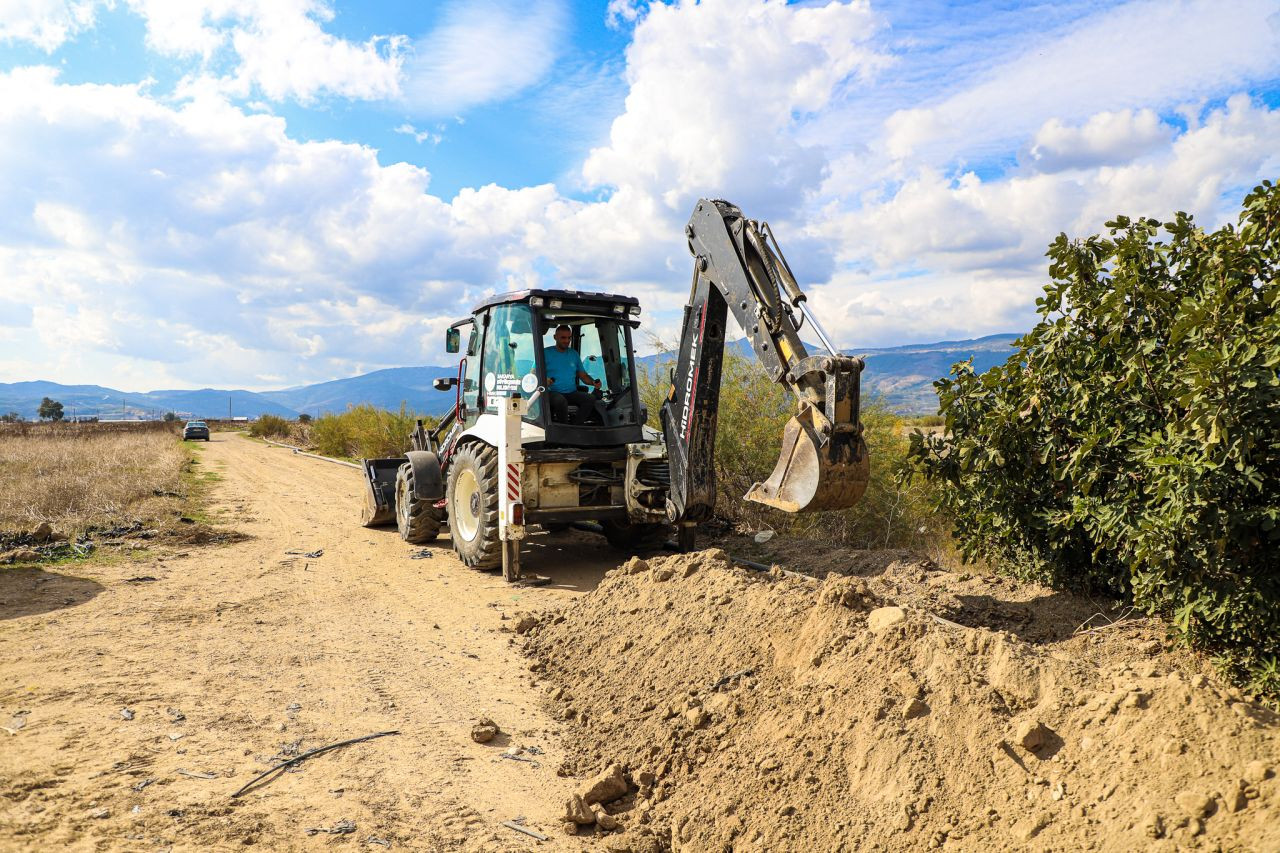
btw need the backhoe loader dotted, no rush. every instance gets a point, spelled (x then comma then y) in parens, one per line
(511, 453)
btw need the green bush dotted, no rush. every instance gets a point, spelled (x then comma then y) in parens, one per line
(894, 512)
(1132, 443)
(269, 426)
(365, 432)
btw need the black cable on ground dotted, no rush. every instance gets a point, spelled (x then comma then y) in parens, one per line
(282, 765)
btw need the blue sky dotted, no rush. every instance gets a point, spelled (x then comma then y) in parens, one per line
(311, 189)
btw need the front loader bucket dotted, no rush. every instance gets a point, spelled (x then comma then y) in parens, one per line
(815, 471)
(379, 492)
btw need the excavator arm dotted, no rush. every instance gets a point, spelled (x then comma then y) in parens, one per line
(738, 267)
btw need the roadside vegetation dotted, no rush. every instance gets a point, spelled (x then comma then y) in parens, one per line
(894, 512)
(1131, 445)
(272, 426)
(64, 486)
(361, 432)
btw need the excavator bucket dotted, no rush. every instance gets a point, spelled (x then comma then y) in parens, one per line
(815, 471)
(380, 492)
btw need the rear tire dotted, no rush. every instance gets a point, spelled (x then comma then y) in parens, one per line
(473, 506)
(417, 520)
(636, 537)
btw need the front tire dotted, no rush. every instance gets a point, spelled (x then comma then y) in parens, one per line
(417, 520)
(473, 506)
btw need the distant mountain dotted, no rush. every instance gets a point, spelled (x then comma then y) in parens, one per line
(903, 376)
(384, 388)
(110, 403)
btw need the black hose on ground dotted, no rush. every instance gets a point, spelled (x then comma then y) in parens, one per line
(302, 452)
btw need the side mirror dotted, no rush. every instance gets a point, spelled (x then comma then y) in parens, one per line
(444, 383)
(452, 341)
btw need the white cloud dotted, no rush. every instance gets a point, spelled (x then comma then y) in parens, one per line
(154, 230)
(620, 13)
(168, 225)
(47, 24)
(717, 92)
(482, 51)
(1152, 52)
(419, 136)
(281, 47)
(1107, 138)
(965, 255)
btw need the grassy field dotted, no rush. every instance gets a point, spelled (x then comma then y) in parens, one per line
(84, 478)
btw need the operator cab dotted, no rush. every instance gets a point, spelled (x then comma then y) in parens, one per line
(507, 338)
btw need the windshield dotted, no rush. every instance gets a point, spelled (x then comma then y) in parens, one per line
(510, 360)
(601, 344)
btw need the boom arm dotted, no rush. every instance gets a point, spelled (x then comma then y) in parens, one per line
(824, 462)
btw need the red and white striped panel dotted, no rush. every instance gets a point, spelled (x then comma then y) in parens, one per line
(513, 482)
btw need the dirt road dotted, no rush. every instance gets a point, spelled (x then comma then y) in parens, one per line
(237, 654)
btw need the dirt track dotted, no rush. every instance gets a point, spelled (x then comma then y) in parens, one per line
(235, 654)
(745, 710)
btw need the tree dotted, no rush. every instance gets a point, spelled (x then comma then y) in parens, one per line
(170, 417)
(10, 418)
(1130, 443)
(50, 410)
(304, 418)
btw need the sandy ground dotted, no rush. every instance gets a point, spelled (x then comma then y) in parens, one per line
(237, 654)
(768, 712)
(891, 705)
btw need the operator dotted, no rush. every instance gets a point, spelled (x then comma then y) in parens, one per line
(564, 369)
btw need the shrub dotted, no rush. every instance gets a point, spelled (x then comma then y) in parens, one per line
(365, 432)
(1132, 443)
(894, 511)
(269, 426)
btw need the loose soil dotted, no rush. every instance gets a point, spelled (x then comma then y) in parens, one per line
(872, 710)
(686, 704)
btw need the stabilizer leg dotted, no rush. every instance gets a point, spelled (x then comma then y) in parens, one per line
(685, 536)
(511, 560)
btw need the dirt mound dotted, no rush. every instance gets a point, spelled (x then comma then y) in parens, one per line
(772, 712)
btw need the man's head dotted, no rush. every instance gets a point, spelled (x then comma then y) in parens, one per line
(564, 336)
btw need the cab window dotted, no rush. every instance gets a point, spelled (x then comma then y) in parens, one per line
(601, 343)
(509, 354)
(471, 377)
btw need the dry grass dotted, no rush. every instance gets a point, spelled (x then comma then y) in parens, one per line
(76, 479)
